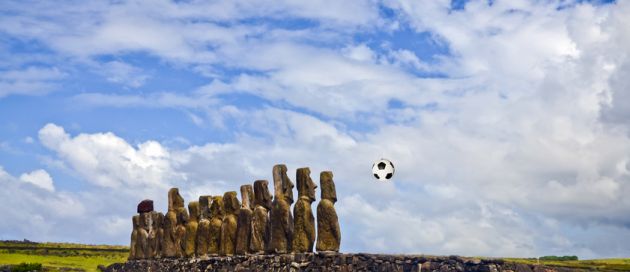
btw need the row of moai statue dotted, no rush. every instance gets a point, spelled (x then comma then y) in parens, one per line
(222, 226)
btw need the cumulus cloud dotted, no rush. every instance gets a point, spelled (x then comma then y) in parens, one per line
(107, 160)
(39, 178)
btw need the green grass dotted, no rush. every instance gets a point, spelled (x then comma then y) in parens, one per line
(601, 264)
(58, 256)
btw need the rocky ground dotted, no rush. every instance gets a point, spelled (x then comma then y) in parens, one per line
(331, 262)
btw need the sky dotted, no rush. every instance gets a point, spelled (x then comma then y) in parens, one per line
(507, 121)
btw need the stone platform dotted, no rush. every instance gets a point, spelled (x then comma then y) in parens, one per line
(330, 262)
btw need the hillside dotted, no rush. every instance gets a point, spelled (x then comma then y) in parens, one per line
(61, 256)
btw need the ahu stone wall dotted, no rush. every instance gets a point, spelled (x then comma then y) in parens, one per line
(329, 262)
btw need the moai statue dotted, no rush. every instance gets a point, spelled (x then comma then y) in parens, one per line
(176, 205)
(174, 226)
(203, 230)
(231, 206)
(174, 199)
(180, 232)
(169, 243)
(216, 220)
(142, 244)
(191, 229)
(134, 237)
(259, 239)
(281, 218)
(244, 221)
(328, 231)
(304, 221)
(156, 235)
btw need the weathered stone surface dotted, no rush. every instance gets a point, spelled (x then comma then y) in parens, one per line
(204, 206)
(244, 220)
(175, 200)
(169, 246)
(329, 262)
(231, 206)
(145, 206)
(180, 232)
(156, 234)
(304, 221)
(134, 237)
(216, 220)
(203, 229)
(281, 217)
(143, 249)
(328, 230)
(191, 229)
(259, 239)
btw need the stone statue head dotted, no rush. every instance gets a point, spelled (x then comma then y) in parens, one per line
(146, 220)
(136, 221)
(158, 219)
(170, 221)
(216, 208)
(193, 209)
(328, 186)
(182, 215)
(282, 185)
(175, 200)
(204, 206)
(231, 204)
(247, 195)
(262, 196)
(305, 185)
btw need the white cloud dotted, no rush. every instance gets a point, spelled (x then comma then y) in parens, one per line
(157, 100)
(29, 81)
(106, 160)
(123, 73)
(39, 178)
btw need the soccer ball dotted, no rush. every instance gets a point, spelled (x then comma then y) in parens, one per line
(383, 169)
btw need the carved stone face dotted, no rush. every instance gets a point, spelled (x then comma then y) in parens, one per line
(170, 220)
(146, 220)
(231, 204)
(262, 196)
(193, 209)
(136, 221)
(283, 187)
(306, 186)
(247, 195)
(182, 215)
(204, 206)
(175, 200)
(158, 218)
(328, 186)
(216, 208)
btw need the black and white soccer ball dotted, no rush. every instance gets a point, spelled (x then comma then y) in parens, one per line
(383, 170)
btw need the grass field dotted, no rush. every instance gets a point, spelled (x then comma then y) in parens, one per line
(601, 264)
(62, 256)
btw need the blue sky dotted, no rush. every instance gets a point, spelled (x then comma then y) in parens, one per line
(506, 120)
